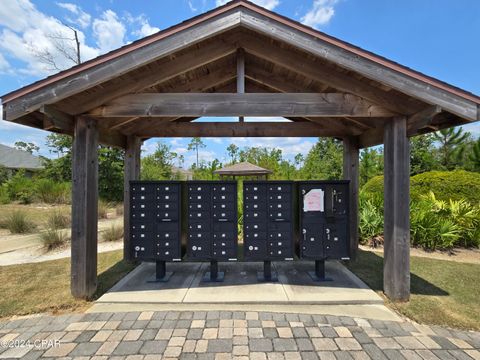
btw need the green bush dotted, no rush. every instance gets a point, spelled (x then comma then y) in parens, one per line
(58, 220)
(20, 188)
(52, 192)
(53, 238)
(113, 233)
(446, 185)
(18, 223)
(4, 198)
(371, 217)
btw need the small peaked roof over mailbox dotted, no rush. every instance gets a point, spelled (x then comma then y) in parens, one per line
(242, 169)
(352, 92)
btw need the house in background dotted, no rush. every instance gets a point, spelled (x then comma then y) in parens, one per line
(14, 160)
(182, 174)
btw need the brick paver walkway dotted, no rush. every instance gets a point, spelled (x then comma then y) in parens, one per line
(228, 335)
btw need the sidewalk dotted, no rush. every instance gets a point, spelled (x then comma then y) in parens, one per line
(230, 335)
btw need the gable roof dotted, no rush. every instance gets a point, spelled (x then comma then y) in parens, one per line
(175, 58)
(220, 10)
(244, 168)
(11, 158)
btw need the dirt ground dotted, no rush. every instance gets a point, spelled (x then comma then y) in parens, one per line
(471, 256)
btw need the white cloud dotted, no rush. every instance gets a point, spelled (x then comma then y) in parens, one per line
(141, 24)
(81, 19)
(267, 4)
(4, 65)
(109, 31)
(216, 140)
(27, 31)
(321, 13)
(191, 6)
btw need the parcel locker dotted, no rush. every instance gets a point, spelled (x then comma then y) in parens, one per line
(155, 222)
(269, 222)
(323, 214)
(212, 232)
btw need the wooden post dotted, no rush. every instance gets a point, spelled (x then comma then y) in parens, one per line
(396, 267)
(131, 171)
(241, 75)
(351, 172)
(84, 208)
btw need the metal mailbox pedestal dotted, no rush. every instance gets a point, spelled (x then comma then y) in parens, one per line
(155, 223)
(323, 213)
(212, 224)
(269, 223)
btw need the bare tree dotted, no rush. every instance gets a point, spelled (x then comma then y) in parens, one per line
(66, 48)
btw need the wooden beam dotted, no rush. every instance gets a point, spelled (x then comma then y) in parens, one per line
(240, 75)
(103, 72)
(249, 104)
(84, 208)
(371, 137)
(237, 129)
(351, 172)
(396, 261)
(58, 121)
(270, 81)
(422, 119)
(397, 80)
(131, 171)
(324, 75)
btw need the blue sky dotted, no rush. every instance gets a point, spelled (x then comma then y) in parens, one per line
(437, 37)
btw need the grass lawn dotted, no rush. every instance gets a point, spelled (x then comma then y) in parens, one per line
(40, 287)
(443, 292)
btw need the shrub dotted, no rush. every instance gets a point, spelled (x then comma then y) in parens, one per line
(113, 233)
(51, 192)
(371, 218)
(18, 223)
(53, 238)
(4, 198)
(103, 208)
(429, 227)
(119, 209)
(454, 185)
(20, 188)
(58, 220)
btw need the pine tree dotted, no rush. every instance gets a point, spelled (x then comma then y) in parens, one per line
(451, 141)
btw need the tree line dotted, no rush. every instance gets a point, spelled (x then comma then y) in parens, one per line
(447, 149)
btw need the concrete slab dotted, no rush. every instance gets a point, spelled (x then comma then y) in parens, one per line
(135, 288)
(344, 287)
(241, 286)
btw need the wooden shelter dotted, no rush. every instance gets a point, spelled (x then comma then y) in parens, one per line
(240, 60)
(243, 169)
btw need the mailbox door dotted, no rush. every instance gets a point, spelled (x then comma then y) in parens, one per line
(336, 241)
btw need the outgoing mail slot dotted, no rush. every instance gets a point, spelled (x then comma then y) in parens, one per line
(324, 219)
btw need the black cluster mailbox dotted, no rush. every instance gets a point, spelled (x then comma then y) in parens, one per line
(324, 212)
(269, 219)
(212, 223)
(155, 223)
(278, 218)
